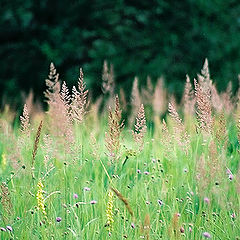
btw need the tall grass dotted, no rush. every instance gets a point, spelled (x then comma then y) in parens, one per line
(81, 171)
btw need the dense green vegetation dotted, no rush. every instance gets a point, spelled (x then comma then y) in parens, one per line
(140, 38)
(76, 172)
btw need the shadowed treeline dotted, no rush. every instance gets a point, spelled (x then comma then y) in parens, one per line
(140, 38)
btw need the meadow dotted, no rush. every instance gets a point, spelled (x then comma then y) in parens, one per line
(120, 167)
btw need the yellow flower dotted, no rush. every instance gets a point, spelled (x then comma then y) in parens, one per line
(4, 161)
(109, 211)
(40, 198)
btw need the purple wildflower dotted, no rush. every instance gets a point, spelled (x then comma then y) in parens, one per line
(233, 215)
(86, 189)
(132, 225)
(3, 229)
(230, 176)
(93, 202)
(9, 228)
(229, 171)
(75, 195)
(160, 202)
(206, 200)
(206, 235)
(58, 219)
(146, 173)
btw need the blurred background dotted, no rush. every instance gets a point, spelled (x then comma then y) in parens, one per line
(140, 38)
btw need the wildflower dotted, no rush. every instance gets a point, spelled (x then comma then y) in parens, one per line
(75, 195)
(230, 177)
(206, 235)
(190, 229)
(133, 225)
(160, 202)
(178, 214)
(109, 211)
(9, 228)
(40, 199)
(138, 171)
(86, 189)
(233, 215)
(93, 202)
(58, 219)
(146, 173)
(229, 173)
(4, 161)
(147, 202)
(181, 229)
(206, 200)
(3, 229)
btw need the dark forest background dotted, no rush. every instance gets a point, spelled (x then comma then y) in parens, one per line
(156, 38)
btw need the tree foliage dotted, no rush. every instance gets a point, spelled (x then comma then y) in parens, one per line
(155, 38)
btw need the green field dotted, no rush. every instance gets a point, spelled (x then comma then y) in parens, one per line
(142, 168)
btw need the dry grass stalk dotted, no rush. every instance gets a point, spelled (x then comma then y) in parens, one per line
(65, 96)
(108, 83)
(226, 98)
(58, 107)
(221, 130)
(53, 84)
(147, 92)
(209, 170)
(48, 151)
(140, 128)
(79, 99)
(135, 100)
(180, 134)
(93, 116)
(25, 122)
(30, 103)
(166, 139)
(159, 98)
(173, 230)
(204, 79)
(201, 176)
(214, 165)
(6, 201)
(115, 127)
(123, 100)
(204, 107)
(95, 147)
(146, 227)
(217, 102)
(124, 200)
(188, 98)
(35, 147)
